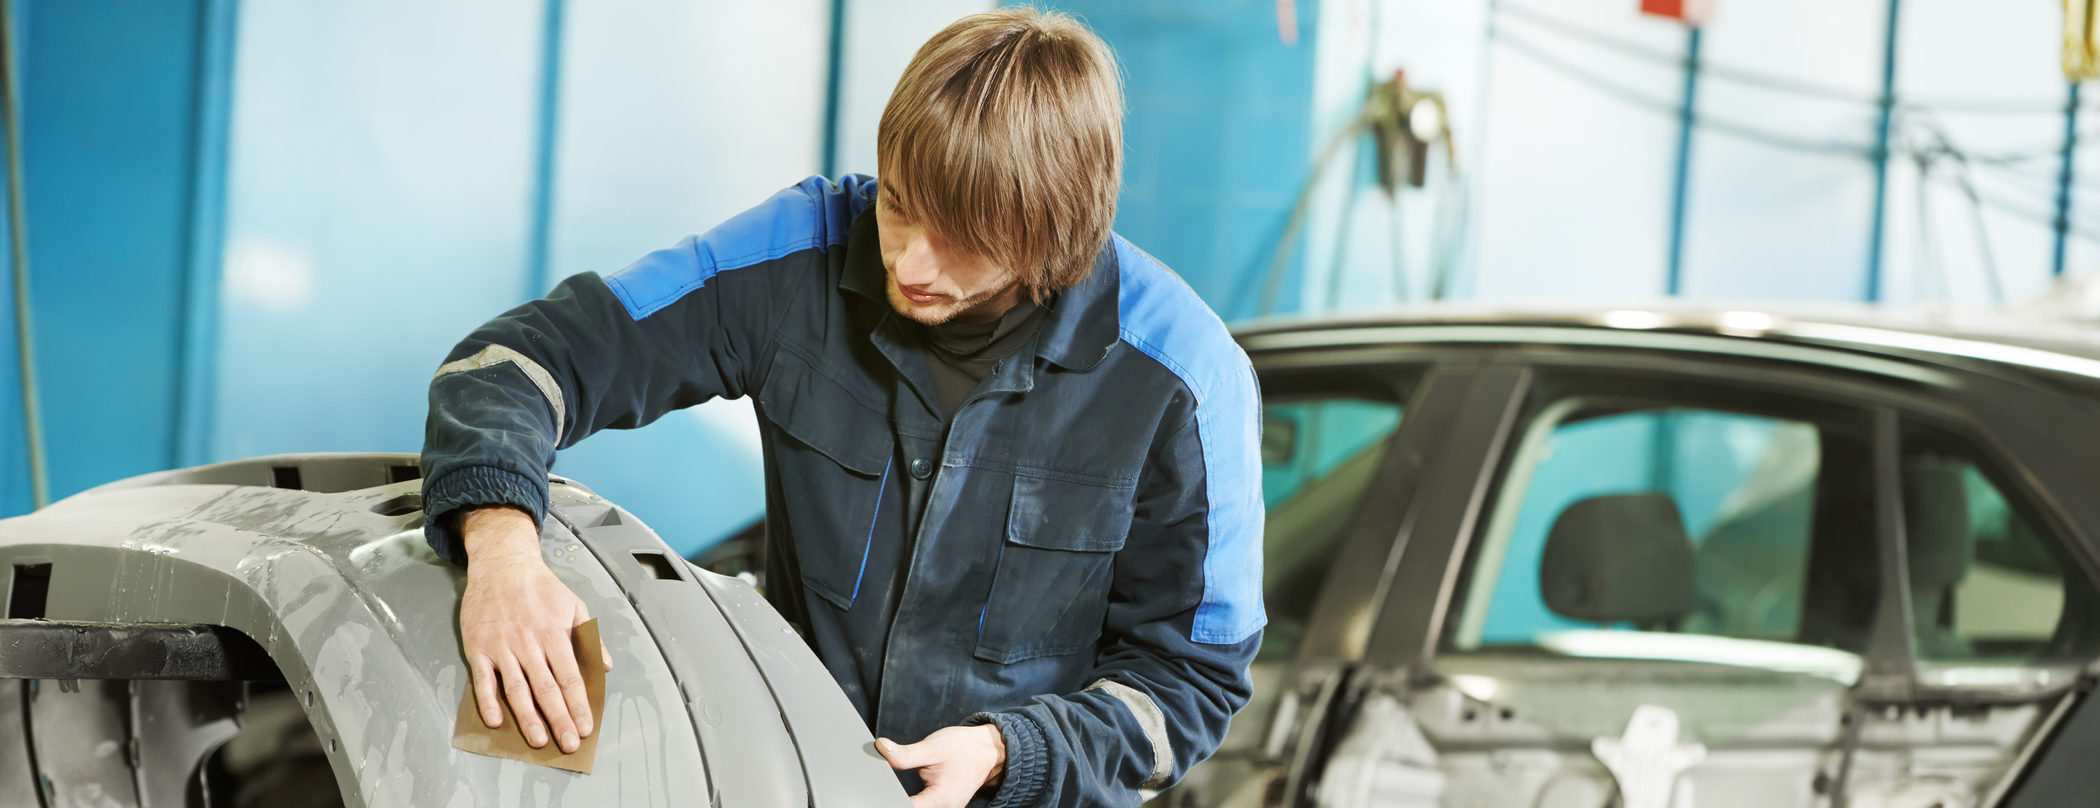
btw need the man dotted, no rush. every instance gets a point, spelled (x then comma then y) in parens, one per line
(1012, 480)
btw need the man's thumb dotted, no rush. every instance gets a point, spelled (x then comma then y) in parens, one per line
(901, 756)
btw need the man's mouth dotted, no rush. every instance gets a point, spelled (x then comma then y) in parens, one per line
(917, 295)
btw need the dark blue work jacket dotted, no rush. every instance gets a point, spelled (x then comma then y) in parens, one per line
(1087, 570)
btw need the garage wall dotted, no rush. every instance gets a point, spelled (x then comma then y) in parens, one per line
(394, 174)
(443, 163)
(879, 39)
(256, 227)
(1365, 248)
(1218, 111)
(1991, 80)
(665, 128)
(1787, 221)
(390, 196)
(109, 92)
(1566, 116)
(378, 199)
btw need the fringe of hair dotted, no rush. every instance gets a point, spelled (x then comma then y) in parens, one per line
(1005, 136)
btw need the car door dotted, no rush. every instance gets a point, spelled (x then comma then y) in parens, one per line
(1346, 435)
(1740, 580)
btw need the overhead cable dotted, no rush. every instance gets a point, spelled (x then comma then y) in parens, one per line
(2053, 151)
(1942, 147)
(2031, 215)
(2026, 204)
(1772, 81)
(1294, 225)
(2028, 184)
(1930, 260)
(1964, 182)
(1569, 69)
(1983, 238)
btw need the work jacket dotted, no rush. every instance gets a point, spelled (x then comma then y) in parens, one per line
(1086, 573)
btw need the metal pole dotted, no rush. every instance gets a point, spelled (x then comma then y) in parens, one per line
(207, 236)
(832, 78)
(2063, 178)
(18, 240)
(1880, 155)
(1686, 118)
(1663, 450)
(538, 275)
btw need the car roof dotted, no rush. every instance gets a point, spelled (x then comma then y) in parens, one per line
(1943, 335)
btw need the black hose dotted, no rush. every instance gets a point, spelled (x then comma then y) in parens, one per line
(1854, 732)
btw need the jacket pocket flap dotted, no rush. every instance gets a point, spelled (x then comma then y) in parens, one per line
(1062, 515)
(821, 413)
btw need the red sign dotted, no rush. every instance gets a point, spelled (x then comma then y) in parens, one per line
(1689, 12)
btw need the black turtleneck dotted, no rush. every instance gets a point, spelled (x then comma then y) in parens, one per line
(959, 355)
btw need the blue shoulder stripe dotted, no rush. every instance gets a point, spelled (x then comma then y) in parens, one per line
(812, 214)
(1163, 318)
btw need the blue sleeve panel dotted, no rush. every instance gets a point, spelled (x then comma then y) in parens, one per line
(1173, 666)
(678, 327)
(1163, 318)
(812, 214)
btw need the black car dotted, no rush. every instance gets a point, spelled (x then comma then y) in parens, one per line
(1673, 557)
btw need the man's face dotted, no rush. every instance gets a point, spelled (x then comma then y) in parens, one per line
(932, 281)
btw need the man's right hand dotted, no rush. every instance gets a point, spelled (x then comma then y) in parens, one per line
(515, 622)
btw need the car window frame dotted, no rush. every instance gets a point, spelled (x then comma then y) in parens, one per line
(2025, 499)
(1469, 610)
(1407, 385)
(1437, 382)
(1409, 630)
(1561, 393)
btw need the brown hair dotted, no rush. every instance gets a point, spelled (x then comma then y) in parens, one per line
(1005, 136)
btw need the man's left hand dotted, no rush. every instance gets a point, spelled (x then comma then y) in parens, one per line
(954, 763)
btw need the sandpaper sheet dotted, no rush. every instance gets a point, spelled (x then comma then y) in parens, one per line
(470, 734)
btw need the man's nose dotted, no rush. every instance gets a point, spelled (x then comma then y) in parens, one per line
(918, 266)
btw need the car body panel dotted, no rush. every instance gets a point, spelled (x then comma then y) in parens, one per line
(711, 699)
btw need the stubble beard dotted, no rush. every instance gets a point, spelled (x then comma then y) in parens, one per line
(939, 313)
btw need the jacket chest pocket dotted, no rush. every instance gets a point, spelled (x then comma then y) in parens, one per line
(1050, 590)
(833, 457)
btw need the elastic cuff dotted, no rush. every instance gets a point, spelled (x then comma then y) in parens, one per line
(468, 487)
(1027, 759)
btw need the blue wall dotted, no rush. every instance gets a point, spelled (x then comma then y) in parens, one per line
(651, 144)
(1218, 126)
(378, 207)
(109, 91)
(403, 171)
(353, 187)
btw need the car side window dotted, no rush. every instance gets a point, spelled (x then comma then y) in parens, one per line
(1624, 525)
(1987, 584)
(1319, 455)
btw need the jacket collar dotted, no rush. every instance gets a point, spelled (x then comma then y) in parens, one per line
(863, 274)
(1079, 326)
(1084, 322)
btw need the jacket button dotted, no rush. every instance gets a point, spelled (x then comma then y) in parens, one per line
(920, 468)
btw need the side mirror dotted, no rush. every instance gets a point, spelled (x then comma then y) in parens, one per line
(1279, 440)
